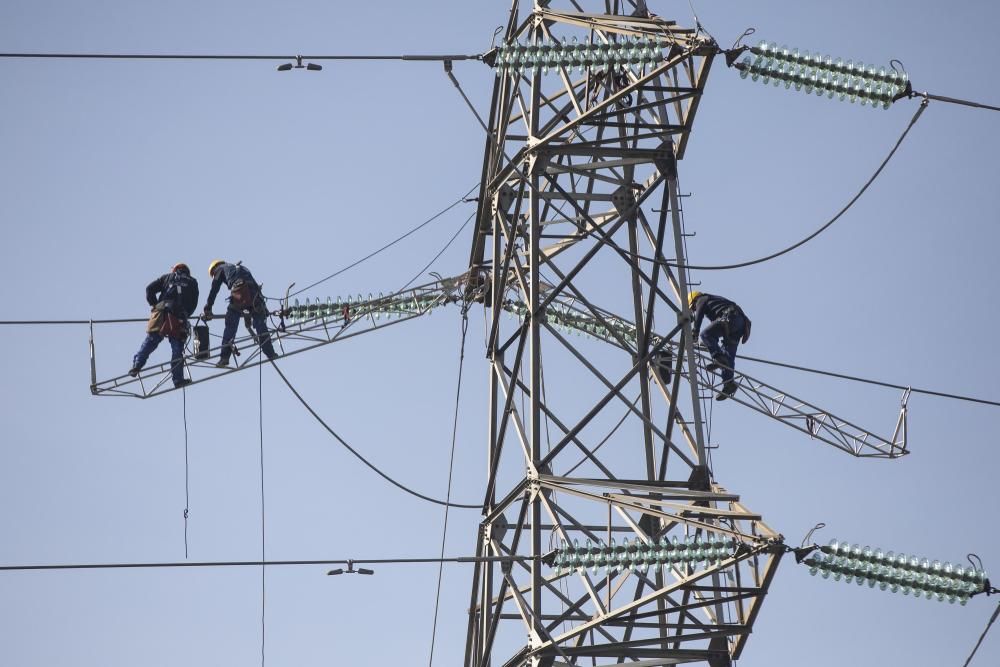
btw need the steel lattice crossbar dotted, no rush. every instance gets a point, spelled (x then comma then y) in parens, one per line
(310, 326)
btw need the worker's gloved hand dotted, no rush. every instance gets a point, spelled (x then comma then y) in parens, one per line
(207, 313)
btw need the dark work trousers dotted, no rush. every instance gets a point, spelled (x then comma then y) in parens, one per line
(176, 354)
(233, 317)
(729, 336)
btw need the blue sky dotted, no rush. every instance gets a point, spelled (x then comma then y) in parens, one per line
(114, 170)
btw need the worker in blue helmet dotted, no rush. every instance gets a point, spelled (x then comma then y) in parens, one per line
(173, 298)
(729, 327)
(244, 298)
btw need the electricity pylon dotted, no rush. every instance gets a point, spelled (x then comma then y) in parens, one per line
(590, 113)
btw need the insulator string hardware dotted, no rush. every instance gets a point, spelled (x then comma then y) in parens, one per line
(630, 556)
(895, 572)
(823, 75)
(550, 56)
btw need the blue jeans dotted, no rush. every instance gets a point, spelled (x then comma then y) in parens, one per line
(176, 354)
(722, 339)
(233, 317)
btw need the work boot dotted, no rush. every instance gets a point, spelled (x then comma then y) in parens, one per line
(223, 362)
(271, 354)
(728, 390)
(134, 371)
(182, 383)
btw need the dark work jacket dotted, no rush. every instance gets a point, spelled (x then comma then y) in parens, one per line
(177, 292)
(715, 307)
(228, 274)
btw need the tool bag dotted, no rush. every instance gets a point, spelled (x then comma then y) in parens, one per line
(165, 323)
(174, 327)
(727, 315)
(155, 321)
(242, 294)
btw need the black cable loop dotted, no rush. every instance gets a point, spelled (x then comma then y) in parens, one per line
(746, 33)
(805, 539)
(358, 455)
(740, 265)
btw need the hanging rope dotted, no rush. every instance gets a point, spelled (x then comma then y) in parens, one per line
(187, 488)
(263, 558)
(451, 467)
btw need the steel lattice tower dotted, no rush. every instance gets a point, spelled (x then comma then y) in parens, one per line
(580, 189)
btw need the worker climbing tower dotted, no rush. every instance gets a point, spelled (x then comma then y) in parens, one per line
(605, 537)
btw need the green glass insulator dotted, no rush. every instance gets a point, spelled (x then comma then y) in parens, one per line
(745, 66)
(799, 76)
(662, 553)
(790, 74)
(766, 70)
(778, 72)
(822, 82)
(814, 564)
(813, 82)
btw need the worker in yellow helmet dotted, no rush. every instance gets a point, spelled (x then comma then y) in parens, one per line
(173, 298)
(729, 327)
(244, 297)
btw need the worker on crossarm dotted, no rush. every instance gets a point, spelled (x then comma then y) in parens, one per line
(244, 297)
(730, 326)
(173, 298)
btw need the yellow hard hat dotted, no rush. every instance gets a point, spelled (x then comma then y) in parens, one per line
(691, 297)
(214, 265)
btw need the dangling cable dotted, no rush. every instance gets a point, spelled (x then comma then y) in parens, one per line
(187, 487)
(358, 455)
(263, 554)
(451, 467)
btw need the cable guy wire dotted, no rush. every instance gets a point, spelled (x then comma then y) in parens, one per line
(361, 458)
(390, 244)
(270, 563)
(879, 383)
(235, 56)
(993, 618)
